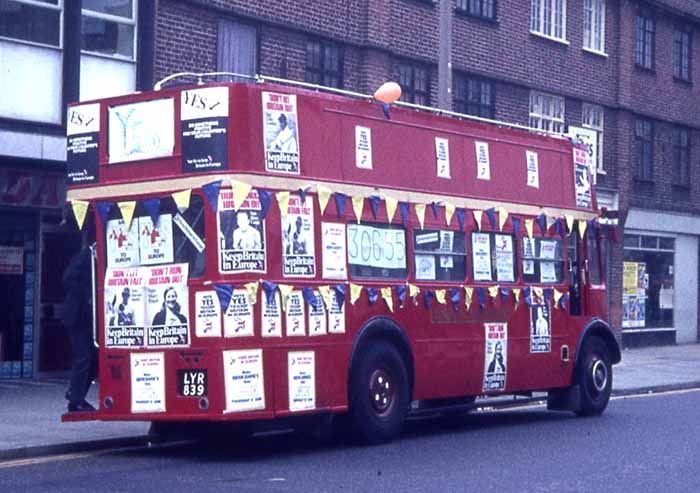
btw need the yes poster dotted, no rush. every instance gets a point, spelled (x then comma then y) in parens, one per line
(495, 356)
(302, 380)
(298, 249)
(317, 316)
(363, 147)
(442, 157)
(204, 117)
(208, 314)
(336, 316)
(271, 315)
(483, 163)
(82, 150)
(295, 318)
(533, 169)
(244, 384)
(238, 320)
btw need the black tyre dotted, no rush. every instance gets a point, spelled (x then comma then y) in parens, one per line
(594, 376)
(378, 394)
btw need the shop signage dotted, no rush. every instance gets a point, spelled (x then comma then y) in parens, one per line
(23, 188)
(11, 260)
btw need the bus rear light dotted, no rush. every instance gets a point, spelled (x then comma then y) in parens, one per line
(204, 404)
(108, 402)
(565, 354)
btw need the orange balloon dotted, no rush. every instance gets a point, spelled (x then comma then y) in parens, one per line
(388, 92)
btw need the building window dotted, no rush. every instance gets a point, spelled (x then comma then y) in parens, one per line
(644, 48)
(109, 28)
(643, 149)
(36, 22)
(681, 58)
(594, 25)
(478, 8)
(549, 18)
(236, 50)
(681, 157)
(474, 96)
(593, 118)
(415, 83)
(546, 112)
(324, 63)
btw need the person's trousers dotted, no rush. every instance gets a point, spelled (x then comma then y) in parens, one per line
(84, 364)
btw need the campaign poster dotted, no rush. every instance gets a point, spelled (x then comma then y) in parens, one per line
(548, 249)
(548, 272)
(241, 234)
(302, 380)
(167, 306)
(122, 244)
(147, 382)
(633, 311)
(581, 176)
(298, 252)
(495, 356)
(505, 271)
(204, 116)
(295, 316)
(125, 307)
(483, 163)
(481, 255)
(271, 315)
(442, 157)
(425, 267)
(142, 130)
(82, 147)
(540, 329)
(317, 316)
(281, 132)
(333, 245)
(156, 242)
(238, 319)
(634, 286)
(336, 316)
(533, 169)
(363, 147)
(244, 384)
(207, 314)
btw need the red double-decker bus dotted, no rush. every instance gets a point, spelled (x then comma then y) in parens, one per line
(266, 250)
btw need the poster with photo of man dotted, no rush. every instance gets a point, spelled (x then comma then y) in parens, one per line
(540, 329)
(298, 253)
(281, 132)
(124, 308)
(167, 306)
(241, 234)
(495, 356)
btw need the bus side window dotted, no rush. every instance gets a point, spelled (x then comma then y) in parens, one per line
(594, 271)
(439, 255)
(543, 260)
(574, 285)
(493, 257)
(376, 251)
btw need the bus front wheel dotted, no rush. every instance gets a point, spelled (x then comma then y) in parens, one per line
(378, 393)
(594, 377)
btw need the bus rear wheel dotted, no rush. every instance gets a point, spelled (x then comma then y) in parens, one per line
(594, 377)
(378, 394)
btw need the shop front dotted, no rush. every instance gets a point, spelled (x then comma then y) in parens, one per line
(659, 278)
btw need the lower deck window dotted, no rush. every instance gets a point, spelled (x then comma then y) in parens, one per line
(543, 260)
(377, 251)
(440, 255)
(493, 257)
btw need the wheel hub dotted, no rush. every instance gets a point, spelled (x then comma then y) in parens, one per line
(381, 392)
(599, 375)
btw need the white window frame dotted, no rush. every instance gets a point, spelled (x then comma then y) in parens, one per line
(593, 117)
(547, 112)
(594, 25)
(133, 21)
(36, 3)
(548, 19)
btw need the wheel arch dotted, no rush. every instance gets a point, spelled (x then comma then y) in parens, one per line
(599, 328)
(384, 329)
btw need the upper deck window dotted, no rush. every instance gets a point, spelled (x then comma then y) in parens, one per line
(377, 251)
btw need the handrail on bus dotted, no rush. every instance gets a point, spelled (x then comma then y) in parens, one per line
(260, 79)
(93, 259)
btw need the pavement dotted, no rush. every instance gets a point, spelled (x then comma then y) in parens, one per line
(30, 410)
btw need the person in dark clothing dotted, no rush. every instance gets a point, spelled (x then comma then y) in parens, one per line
(77, 317)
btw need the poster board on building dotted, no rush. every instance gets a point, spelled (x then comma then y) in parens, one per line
(634, 294)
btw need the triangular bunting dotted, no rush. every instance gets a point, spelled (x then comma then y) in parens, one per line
(324, 195)
(103, 209)
(391, 205)
(339, 290)
(491, 215)
(413, 291)
(557, 296)
(153, 208)
(340, 201)
(440, 296)
(240, 192)
(529, 226)
(493, 292)
(455, 297)
(436, 209)
(269, 288)
(80, 208)
(569, 223)
(505, 294)
(420, 213)
(460, 218)
(211, 192)
(224, 293)
(401, 293)
(449, 212)
(516, 293)
(481, 296)
(358, 203)
(469, 292)
(374, 205)
(516, 224)
(542, 223)
(403, 210)
(355, 292)
(127, 210)
(302, 194)
(283, 202)
(285, 290)
(477, 218)
(309, 296)
(372, 295)
(428, 296)
(265, 201)
(386, 295)
(252, 289)
(326, 295)
(502, 217)
(550, 222)
(582, 228)
(182, 200)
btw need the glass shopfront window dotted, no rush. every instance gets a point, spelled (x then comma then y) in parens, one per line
(647, 284)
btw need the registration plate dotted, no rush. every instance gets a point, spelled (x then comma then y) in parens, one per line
(192, 383)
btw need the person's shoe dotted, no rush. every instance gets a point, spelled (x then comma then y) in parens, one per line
(80, 407)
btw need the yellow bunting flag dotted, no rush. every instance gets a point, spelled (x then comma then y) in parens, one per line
(324, 195)
(326, 295)
(252, 288)
(391, 204)
(440, 296)
(468, 296)
(285, 289)
(80, 208)
(358, 203)
(557, 296)
(283, 201)
(413, 291)
(477, 218)
(449, 212)
(569, 223)
(182, 200)
(386, 294)
(420, 212)
(240, 192)
(529, 224)
(516, 293)
(355, 292)
(502, 217)
(493, 291)
(539, 294)
(127, 209)
(582, 228)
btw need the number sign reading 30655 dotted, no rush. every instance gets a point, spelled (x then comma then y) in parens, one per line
(376, 251)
